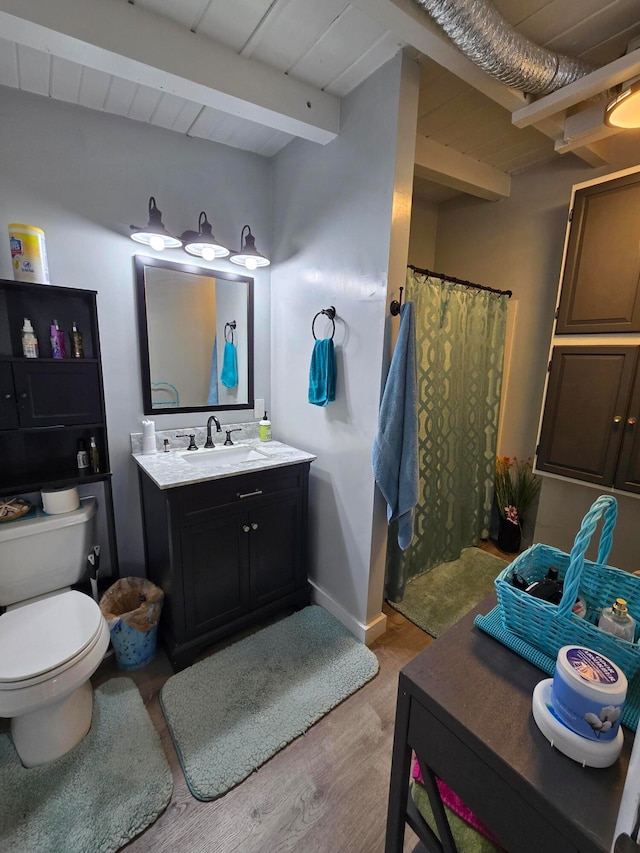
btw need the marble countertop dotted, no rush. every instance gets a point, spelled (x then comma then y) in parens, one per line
(170, 470)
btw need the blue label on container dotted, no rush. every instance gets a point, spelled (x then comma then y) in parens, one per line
(592, 720)
(591, 666)
(16, 246)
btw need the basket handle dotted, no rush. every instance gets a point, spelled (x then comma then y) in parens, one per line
(607, 505)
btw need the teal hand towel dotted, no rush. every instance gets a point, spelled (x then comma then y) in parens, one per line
(229, 375)
(394, 456)
(322, 373)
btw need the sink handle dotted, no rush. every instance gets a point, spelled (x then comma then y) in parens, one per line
(228, 439)
(192, 440)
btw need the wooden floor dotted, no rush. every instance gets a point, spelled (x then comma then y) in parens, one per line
(324, 793)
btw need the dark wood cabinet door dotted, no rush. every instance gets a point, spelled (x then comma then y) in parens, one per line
(628, 470)
(585, 409)
(601, 280)
(275, 543)
(8, 408)
(52, 393)
(215, 570)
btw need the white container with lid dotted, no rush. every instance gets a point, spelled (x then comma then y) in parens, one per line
(28, 253)
(588, 693)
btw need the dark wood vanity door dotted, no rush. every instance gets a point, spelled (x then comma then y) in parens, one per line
(276, 549)
(215, 554)
(628, 470)
(601, 279)
(585, 410)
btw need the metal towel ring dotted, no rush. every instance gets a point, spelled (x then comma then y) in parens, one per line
(331, 314)
(231, 327)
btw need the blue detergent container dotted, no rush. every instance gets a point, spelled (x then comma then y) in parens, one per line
(132, 608)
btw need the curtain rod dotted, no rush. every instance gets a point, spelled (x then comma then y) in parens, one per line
(395, 305)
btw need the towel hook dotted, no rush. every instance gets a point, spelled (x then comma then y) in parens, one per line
(395, 306)
(331, 314)
(231, 326)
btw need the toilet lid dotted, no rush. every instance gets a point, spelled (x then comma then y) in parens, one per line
(41, 636)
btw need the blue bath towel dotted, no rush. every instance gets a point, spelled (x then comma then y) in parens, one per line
(229, 375)
(212, 399)
(395, 449)
(322, 373)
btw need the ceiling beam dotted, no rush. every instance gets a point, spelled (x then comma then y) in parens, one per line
(450, 168)
(128, 42)
(586, 87)
(415, 28)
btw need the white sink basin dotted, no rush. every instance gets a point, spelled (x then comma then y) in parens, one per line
(217, 457)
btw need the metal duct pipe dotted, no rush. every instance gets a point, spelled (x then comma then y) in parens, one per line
(485, 37)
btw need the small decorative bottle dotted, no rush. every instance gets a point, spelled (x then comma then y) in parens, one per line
(618, 621)
(58, 349)
(29, 340)
(77, 347)
(94, 456)
(82, 457)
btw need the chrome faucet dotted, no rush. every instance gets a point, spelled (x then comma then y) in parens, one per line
(209, 441)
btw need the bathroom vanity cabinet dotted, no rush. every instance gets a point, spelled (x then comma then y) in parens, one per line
(227, 552)
(47, 405)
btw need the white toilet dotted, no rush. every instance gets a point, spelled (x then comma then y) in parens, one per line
(52, 638)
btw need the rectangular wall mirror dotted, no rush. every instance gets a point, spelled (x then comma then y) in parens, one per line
(196, 337)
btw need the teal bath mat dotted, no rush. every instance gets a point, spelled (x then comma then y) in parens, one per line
(99, 795)
(229, 713)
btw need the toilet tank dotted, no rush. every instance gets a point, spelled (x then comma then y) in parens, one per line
(45, 553)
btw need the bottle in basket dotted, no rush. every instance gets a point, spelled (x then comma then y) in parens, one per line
(618, 621)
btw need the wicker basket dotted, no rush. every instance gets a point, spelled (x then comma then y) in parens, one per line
(547, 626)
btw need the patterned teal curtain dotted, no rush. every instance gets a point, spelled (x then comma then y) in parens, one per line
(460, 345)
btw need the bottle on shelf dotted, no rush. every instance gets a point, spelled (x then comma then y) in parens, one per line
(77, 346)
(94, 456)
(56, 336)
(618, 621)
(82, 457)
(29, 340)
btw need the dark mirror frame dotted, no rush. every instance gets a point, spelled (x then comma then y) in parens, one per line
(141, 263)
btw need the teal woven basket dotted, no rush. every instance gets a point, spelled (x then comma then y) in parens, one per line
(547, 626)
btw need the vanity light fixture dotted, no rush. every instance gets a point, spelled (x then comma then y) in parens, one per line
(202, 243)
(154, 234)
(249, 256)
(624, 110)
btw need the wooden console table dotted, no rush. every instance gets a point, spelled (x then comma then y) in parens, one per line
(464, 707)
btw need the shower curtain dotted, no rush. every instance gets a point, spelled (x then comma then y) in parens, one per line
(460, 335)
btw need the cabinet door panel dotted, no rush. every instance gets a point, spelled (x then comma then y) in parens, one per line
(628, 471)
(600, 284)
(275, 544)
(57, 393)
(215, 571)
(8, 409)
(585, 408)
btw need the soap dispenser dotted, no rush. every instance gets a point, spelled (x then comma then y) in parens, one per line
(265, 428)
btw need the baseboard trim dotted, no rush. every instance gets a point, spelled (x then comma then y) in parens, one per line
(365, 633)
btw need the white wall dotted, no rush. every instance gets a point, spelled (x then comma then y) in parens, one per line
(516, 244)
(333, 210)
(84, 177)
(424, 228)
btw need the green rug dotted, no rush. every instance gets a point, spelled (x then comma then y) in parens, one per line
(229, 713)
(99, 795)
(437, 599)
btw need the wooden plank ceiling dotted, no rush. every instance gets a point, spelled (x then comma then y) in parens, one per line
(256, 73)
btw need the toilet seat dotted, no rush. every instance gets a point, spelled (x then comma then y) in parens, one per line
(39, 641)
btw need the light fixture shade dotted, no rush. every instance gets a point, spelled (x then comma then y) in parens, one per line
(154, 234)
(624, 110)
(202, 243)
(249, 256)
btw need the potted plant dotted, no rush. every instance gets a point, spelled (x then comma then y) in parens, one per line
(516, 490)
